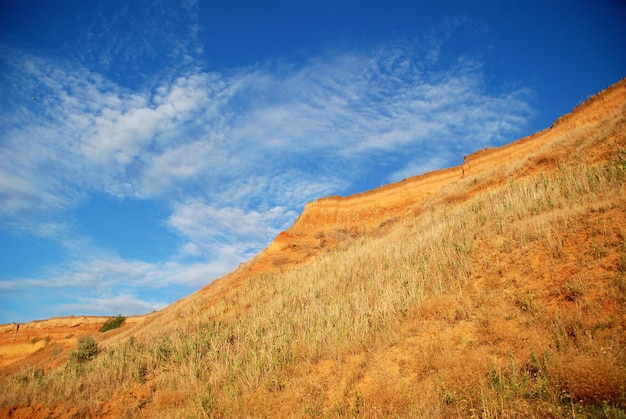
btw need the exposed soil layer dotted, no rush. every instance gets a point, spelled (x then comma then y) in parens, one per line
(47, 342)
(327, 223)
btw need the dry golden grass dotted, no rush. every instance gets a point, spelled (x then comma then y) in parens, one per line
(592, 378)
(473, 308)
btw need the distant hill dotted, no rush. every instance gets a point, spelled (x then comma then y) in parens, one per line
(496, 288)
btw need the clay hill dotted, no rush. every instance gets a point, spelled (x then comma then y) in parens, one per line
(492, 289)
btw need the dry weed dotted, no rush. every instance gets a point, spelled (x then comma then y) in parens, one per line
(592, 379)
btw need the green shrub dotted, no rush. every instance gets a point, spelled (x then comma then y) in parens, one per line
(113, 323)
(87, 350)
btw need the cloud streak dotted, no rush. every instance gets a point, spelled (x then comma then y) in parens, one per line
(233, 155)
(106, 285)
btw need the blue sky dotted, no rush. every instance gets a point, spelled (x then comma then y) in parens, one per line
(149, 147)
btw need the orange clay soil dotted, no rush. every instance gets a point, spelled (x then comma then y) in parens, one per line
(325, 223)
(49, 341)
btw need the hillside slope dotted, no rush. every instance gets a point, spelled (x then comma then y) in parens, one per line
(495, 288)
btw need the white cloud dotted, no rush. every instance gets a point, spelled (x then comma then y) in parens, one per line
(214, 229)
(107, 284)
(418, 167)
(234, 156)
(191, 249)
(124, 303)
(204, 129)
(126, 40)
(178, 166)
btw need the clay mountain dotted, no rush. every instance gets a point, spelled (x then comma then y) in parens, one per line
(495, 289)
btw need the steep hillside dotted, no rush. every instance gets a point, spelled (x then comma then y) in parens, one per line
(496, 288)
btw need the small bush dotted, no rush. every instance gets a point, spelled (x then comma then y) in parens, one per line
(141, 373)
(87, 350)
(35, 375)
(113, 323)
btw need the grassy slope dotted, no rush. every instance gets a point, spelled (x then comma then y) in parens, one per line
(503, 295)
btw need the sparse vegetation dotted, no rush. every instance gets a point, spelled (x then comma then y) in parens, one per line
(87, 350)
(45, 340)
(472, 308)
(113, 323)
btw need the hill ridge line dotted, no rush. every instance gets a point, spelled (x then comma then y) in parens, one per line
(320, 218)
(391, 200)
(564, 121)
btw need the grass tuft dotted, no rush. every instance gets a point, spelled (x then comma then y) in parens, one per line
(113, 323)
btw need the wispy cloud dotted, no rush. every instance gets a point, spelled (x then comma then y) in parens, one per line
(108, 284)
(208, 227)
(337, 111)
(234, 156)
(120, 304)
(125, 40)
